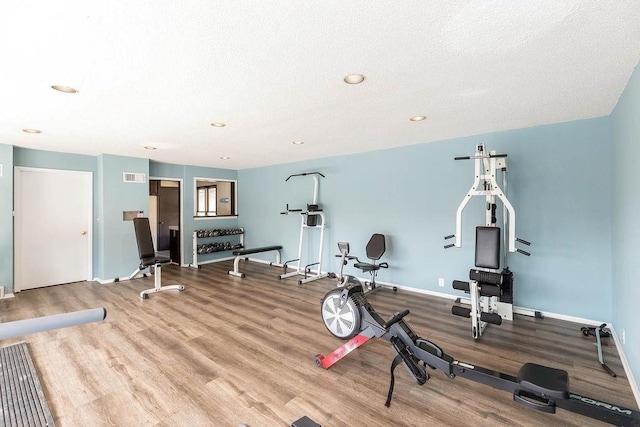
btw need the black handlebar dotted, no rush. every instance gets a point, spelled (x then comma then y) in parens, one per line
(395, 318)
(449, 246)
(523, 252)
(450, 236)
(480, 157)
(524, 242)
(305, 174)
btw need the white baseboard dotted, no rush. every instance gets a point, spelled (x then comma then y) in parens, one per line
(7, 296)
(120, 279)
(625, 364)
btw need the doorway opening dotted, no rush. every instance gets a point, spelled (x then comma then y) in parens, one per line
(165, 202)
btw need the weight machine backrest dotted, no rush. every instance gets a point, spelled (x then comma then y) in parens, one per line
(144, 238)
(376, 247)
(488, 247)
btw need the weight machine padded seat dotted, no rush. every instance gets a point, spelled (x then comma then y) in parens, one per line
(146, 251)
(551, 382)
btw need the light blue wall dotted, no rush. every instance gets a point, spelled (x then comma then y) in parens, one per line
(559, 183)
(6, 218)
(625, 206)
(188, 175)
(118, 251)
(53, 160)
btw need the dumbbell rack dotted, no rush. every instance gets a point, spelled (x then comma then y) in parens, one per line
(214, 247)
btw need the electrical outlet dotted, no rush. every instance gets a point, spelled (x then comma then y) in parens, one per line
(624, 337)
(441, 282)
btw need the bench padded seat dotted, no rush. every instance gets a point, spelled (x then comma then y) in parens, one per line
(249, 251)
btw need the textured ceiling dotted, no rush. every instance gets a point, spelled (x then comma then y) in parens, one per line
(159, 72)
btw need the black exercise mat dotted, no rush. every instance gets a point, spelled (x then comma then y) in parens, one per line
(21, 395)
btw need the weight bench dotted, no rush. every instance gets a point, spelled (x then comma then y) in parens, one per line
(149, 258)
(242, 253)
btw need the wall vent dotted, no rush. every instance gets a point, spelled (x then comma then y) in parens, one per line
(134, 177)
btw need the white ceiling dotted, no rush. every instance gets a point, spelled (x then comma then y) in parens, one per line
(158, 72)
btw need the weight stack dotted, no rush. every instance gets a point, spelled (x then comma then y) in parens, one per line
(507, 286)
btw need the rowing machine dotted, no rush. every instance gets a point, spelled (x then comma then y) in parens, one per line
(347, 314)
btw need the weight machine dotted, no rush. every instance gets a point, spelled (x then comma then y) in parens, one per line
(312, 218)
(491, 293)
(347, 314)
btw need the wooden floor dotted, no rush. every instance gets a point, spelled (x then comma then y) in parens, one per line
(230, 351)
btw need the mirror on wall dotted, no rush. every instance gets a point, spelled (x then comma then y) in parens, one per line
(214, 198)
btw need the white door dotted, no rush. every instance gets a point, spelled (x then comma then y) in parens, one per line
(53, 218)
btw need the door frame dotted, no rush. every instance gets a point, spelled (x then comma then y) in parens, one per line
(17, 220)
(180, 182)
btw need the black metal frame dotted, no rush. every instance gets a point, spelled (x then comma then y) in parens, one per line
(542, 392)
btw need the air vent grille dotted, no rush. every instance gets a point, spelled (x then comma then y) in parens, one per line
(139, 178)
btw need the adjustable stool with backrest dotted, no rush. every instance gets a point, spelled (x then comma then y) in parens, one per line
(485, 288)
(148, 258)
(375, 249)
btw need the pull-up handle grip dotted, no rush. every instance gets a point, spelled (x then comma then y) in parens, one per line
(449, 246)
(524, 242)
(479, 157)
(395, 318)
(305, 174)
(523, 252)
(450, 236)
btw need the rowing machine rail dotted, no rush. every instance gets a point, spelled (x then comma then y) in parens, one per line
(536, 387)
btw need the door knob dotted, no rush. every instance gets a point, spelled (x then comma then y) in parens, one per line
(83, 233)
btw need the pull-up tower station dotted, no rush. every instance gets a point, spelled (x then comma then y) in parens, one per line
(312, 218)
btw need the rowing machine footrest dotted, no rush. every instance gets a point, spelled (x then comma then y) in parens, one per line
(412, 365)
(461, 311)
(460, 285)
(489, 290)
(533, 401)
(493, 318)
(542, 380)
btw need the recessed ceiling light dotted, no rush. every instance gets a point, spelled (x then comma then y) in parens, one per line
(418, 118)
(298, 142)
(32, 130)
(218, 125)
(225, 158)
(354, 79)
(149, 147)
(65, 89)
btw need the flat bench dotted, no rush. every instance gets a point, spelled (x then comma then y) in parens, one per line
(242, 253)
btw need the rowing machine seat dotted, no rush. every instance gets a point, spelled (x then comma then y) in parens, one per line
(550, 382)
